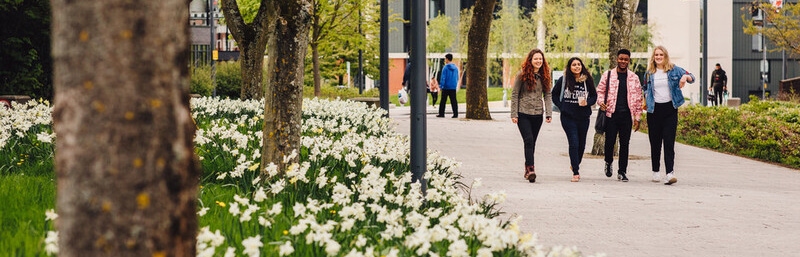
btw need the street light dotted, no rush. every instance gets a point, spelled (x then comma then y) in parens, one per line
(418, 94)
(384, 81)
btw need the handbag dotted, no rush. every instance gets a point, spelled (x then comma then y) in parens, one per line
(601, 122)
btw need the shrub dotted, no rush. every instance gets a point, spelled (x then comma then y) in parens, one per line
(229, 79)
(201, 81)
(766, 130)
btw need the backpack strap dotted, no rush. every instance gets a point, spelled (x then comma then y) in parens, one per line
(563, 87)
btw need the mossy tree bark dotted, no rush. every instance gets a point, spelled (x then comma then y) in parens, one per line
(284, 90)
(478, 37)
(127, 174)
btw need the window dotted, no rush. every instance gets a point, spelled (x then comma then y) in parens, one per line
(435, 7)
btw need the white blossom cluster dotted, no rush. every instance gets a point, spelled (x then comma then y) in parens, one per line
(21, 120)
(348, 192)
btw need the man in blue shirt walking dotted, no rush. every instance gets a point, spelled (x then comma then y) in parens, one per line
(448, 83)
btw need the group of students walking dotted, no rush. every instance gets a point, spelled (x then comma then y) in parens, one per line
(619, 93)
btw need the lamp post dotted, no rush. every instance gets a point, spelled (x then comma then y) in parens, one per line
(384, 55)
(418, 119)
(704, 71)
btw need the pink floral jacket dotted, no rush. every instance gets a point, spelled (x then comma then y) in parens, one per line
(635, 96)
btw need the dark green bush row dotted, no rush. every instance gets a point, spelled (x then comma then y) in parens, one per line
(229, 83)
(765, 130)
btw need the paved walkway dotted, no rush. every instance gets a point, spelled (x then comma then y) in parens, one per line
(722, 205)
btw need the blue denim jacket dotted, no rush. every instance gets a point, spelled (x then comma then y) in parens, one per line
(674, 77)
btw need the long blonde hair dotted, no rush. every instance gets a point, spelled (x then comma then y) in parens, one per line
(652, 66)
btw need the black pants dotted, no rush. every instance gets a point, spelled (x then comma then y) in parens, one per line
(576, 129)
(662, 125)
(718, 96)
(529, 126)
(434, 96)
(448, 93)
(620, 123)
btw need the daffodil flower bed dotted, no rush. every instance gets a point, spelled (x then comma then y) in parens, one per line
(350, 193)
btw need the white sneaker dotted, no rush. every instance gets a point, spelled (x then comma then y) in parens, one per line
(671, 179)
(656, 176)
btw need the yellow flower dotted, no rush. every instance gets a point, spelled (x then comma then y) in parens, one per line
(254, 167)
(285, 232)
(294, 179)
(221, 204)
(19, 163)
(333, 211)
(22, 160)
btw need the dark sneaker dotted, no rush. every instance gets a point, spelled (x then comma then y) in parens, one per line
(439, 116)
(621, 176)
(608, 170)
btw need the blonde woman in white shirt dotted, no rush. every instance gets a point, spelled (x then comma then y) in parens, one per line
(662, 87)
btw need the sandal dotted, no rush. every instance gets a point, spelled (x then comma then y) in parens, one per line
(576, 178)
(530, 175)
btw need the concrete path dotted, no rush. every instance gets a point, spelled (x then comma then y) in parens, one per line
(722, 205)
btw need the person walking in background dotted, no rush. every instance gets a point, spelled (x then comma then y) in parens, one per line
(575, 93)
(663, 95)
(623, 108)
(719, 84)
(530, 99)
(448, 84)
(434, 90)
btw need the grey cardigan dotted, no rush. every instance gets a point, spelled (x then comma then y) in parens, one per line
(530, 103)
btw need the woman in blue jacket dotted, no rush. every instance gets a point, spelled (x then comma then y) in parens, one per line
(574, 94)
(662, 89)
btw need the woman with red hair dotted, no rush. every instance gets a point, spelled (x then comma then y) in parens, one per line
(530, 101)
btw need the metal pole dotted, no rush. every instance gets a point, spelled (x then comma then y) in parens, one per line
(212, 47)
(764, 73)
(704, 72)
(418, 119)
(783, 65)
(384, 86)
(360, 57)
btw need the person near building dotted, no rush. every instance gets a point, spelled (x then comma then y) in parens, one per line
(574, 94)
(662, 87)
(530, 104)
(719, 84)
(448, 84)
(623, 109)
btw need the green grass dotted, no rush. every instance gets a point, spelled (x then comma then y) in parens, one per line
(493, 94)
(22, 224)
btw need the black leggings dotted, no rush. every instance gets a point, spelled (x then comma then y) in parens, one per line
(662, 125)
(718, 97)
(529, 126)
(620, 123)
(434, 96)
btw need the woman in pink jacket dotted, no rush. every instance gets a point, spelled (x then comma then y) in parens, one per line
(620, 94)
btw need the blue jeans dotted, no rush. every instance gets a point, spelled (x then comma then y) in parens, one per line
(576, 129)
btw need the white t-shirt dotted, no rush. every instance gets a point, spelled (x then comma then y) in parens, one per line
(661, 92)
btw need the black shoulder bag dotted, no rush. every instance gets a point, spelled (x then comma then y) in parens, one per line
(601, 122)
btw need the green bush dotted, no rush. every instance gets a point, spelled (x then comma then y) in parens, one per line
(766, 130)
(229, 79)
(201, 81)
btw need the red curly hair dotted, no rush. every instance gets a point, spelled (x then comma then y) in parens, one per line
(529, 76)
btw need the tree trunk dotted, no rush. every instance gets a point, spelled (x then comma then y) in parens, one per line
(252, 39)
(477, 101)
(317, 78)
(127, 175)
(622, 18)
(623, 15)
(252, 67)
(284, 89)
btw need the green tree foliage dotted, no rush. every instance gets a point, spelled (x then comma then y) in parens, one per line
(339, 40)
(783, 26)
(513, 35)
(441, 39)
(579, 26)
(26, 66)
